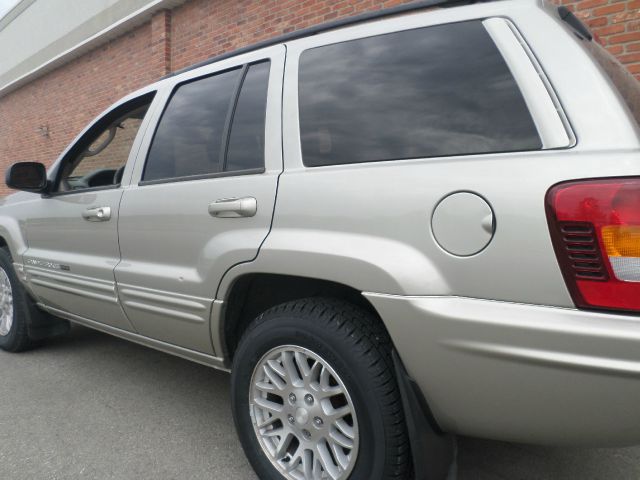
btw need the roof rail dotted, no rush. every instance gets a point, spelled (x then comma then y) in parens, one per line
(324, 27)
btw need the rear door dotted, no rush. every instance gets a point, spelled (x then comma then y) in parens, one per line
(203, 199)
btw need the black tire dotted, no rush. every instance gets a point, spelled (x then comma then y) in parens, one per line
(358, 349)
(17, 339)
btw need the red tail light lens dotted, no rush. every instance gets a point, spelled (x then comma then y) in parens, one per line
(595, 229)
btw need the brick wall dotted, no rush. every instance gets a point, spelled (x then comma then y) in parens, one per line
(66, 99)
(203, 28)
(617, 25)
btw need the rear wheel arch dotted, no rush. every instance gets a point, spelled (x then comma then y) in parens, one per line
(339, 335)
(254, 293)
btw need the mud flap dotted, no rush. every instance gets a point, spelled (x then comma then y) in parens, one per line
(41, 325)
(433, 452)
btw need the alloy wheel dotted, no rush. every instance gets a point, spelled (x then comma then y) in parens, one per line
(303, 415)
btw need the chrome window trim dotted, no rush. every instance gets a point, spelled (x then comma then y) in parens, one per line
(543, 105)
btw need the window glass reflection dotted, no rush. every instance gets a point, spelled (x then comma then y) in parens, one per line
(434, 91)
(246, 143)
(188, 140)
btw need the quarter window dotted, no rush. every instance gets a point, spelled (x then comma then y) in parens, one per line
(428, 92)
(211, 125)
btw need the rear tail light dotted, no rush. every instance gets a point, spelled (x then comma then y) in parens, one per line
(595, 229)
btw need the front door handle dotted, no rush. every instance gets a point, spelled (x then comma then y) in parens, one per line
(233, 207)
(97, 214)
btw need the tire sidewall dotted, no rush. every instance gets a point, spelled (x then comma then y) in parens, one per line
(287, 330)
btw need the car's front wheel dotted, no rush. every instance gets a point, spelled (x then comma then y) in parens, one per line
(314, 396)
(13, 308)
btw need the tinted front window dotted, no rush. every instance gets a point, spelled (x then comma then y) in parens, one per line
(246, 143)
(435, 91)
(189, 137)
(99, 157)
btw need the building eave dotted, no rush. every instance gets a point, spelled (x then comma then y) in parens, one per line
(116, 29)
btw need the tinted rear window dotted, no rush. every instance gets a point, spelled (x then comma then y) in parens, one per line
(435, 91)
(189, 137)
(209, 126)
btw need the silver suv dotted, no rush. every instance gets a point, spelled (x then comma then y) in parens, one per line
(392, 229)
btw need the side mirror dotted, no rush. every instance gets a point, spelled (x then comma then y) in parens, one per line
(28, 176)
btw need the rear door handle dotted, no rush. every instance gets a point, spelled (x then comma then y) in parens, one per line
(233, 207)
(97, 214)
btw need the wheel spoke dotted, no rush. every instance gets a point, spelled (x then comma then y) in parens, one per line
(325, 376)
(273, 377)
(307, 464)
(274, 432)
(335, 413)
(317, 467)
(339, 455)
(303, 364)
(341, 439)
(265, 387)
(345, 428)
(292, 373)
(268, 421)
(278, 368)
(293, 464)
(268, 405)
(331, 391)
(282, 447)
(313, 380)
(327, 461)
(296, 461)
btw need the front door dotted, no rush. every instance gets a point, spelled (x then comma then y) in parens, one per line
(72, 234)
(204, 196)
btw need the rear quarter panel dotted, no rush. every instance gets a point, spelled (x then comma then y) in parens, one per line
(534, 374)
(368, 225)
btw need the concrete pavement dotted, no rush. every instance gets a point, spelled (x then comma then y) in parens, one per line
(90, 406)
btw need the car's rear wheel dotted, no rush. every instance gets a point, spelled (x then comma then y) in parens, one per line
(314, 396)
(14, 336)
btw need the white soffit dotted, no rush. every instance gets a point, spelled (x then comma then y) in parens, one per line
(111, 21)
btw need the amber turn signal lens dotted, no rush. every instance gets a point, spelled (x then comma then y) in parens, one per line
(621, 240)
